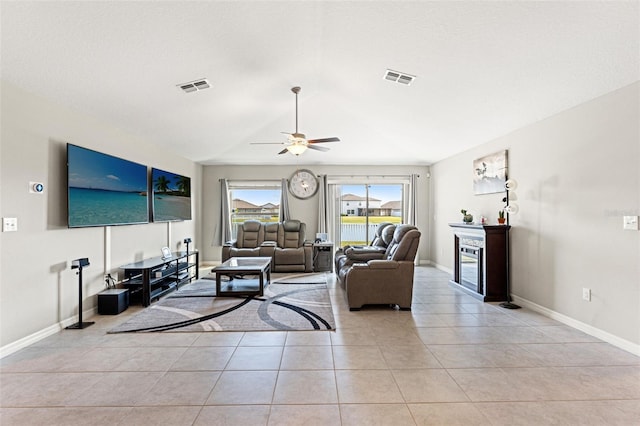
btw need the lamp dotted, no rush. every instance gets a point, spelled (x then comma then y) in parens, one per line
(297, 148)
(509, 208)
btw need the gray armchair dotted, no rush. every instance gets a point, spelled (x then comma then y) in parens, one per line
(364, 254)
(249, 242)
(388, 280)
(377, 244)
(292, 252)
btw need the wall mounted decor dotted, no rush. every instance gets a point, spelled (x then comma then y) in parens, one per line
(490, 173)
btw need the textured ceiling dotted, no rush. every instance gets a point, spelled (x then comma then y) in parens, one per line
(483, 69)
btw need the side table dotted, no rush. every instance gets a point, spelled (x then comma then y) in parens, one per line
(322, 256)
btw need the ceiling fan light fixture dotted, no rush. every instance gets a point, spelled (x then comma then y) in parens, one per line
(297, 143)
(297, 148)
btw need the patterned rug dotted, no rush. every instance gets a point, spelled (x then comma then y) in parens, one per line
(290, 302)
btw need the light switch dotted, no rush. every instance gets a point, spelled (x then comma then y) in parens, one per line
(630, 223)
(9, 224)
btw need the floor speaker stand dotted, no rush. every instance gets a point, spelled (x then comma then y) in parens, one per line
(79, 264)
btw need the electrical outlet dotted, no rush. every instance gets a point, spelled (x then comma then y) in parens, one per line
(111, 276)
(9, 224)
(586, 294)
(630, 223)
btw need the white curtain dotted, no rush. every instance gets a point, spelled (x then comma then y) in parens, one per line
(284, 202)
(412, 211)
(333, 209)
(225, 212)
(323, 213)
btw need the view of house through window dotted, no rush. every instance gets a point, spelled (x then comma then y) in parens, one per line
(255, 202)
(363, 207)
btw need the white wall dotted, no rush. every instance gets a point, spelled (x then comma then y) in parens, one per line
(38, 290)
(578, 173)
(303, 210)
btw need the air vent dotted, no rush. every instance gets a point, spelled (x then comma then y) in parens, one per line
(194, 86)
(399, 77)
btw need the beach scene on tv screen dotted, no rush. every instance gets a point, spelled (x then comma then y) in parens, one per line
(171, 196)
(105, 190)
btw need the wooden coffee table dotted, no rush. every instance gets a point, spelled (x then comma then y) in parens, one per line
(236, 269)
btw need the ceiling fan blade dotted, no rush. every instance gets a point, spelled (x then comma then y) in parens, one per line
(318, 148)
(284, 151)
(323, 140)
(266, 143)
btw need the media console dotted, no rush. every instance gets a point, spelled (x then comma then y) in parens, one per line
(152, 278)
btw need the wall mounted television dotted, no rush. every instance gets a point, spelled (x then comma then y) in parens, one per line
(171, 196)
(104, 190)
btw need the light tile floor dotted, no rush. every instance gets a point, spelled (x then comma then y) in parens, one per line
(451, 360)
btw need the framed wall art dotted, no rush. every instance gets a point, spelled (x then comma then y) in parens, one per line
(490, 173)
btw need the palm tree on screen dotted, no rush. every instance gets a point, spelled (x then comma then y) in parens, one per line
(162, 184)
(184, 185)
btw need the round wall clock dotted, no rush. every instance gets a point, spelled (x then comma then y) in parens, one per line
(303, 184)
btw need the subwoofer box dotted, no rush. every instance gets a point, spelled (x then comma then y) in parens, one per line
(113, 301)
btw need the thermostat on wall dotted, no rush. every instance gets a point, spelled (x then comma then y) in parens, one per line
(36, 187)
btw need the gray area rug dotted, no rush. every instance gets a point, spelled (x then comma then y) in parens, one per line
(290, 302)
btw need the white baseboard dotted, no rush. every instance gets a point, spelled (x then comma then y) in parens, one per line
(42, 334)
(589, 329)
(586, 328)
(443, 268)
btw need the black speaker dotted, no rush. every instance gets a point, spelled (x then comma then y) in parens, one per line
(113, 301)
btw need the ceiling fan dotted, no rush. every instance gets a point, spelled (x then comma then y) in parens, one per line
(297, 143)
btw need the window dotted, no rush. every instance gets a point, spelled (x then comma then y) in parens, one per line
(255, 200)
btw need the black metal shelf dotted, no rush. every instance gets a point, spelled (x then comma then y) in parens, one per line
(152, 278)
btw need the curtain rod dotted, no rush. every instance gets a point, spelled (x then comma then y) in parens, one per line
(251, 180)
(328, 175)
(372, 176)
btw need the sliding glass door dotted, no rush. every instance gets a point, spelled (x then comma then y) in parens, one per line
(361, 207)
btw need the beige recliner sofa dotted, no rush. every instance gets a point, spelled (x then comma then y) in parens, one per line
(388, 280)
(284, 242)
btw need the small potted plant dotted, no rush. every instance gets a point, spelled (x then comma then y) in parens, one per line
(501, 218)
(466, 217)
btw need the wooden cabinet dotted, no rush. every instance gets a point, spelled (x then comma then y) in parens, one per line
(481, 266)
(152, 278)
